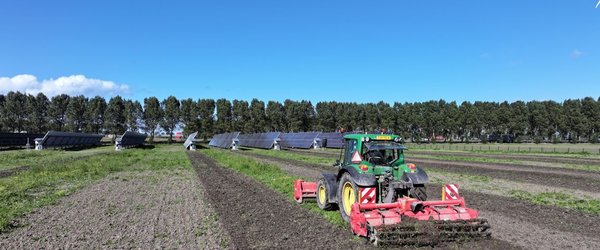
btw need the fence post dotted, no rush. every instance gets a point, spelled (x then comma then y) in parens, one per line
(568, 150)
(529, 149)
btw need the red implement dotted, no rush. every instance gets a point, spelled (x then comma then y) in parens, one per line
(395, 222)
(304, 189)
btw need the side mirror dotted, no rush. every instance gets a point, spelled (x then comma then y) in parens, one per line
(337, 163)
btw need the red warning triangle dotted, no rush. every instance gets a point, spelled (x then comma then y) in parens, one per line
(356, 157)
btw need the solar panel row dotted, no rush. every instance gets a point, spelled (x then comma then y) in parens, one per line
(190, 141)
(304, 140)
(130, 139)
(55, 139)
(259, 140)
(225, 140)
(332, 140)
(18, 139)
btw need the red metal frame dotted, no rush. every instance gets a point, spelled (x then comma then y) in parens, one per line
(375, 215)
(303, 189)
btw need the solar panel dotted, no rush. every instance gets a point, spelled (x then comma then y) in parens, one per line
(259, 140)
(304, 140)
(18, 139)
(130, 139)
(224, 140)
(55, 139)
(191, 139)
(332, 140)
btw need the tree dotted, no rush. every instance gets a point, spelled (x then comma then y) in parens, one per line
(15, 114)
(258, 116)
(133, 115)
(538, 118)
(206, 110)
(2, 112)
(326, 116)
(152, 115)
(387, 116)
(58, 112)
(171, 115)
(38, 113)
(276, 116)
(240, 117)
(591, 110)
(189, 116)
(224, 116)
(576, 120)
(75, 114)
(95, 114)
(114, 117)
(519, 122)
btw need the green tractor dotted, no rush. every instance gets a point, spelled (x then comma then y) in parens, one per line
(371, 169)
(377, 192)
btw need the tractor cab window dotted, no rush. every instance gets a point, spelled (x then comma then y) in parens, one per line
(351, 148)
(382, 152)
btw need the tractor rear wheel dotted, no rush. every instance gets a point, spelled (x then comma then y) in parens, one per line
(347, 195)
(323, 196)
(419, 192)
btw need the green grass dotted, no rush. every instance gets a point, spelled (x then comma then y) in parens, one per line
(594, 168)
(560, 200)
(271, 176)
(17, 158)
(46, 183)
(326, 161)
(551, 150)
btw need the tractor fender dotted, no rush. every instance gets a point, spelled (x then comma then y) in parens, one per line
(332, 186)
(365, 180)
(417, 178)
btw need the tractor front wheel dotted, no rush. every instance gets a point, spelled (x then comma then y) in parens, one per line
(323, 196)
(347, 195)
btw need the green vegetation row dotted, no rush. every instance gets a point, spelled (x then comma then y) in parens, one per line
(18, 158)
(536, 120)
(271, 176)
(563, 200)
(45, 184)
(594, 168)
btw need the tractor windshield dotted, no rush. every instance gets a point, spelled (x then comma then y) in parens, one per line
(382, 152)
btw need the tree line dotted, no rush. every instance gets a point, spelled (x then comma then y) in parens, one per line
(573, 119)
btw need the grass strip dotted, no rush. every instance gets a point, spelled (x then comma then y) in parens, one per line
(319, 160)
(17, 158)
(45, 184)
(560, 200)
(271, 176)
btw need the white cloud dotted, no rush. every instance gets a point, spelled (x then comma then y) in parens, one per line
(71, 85)
(576, 54)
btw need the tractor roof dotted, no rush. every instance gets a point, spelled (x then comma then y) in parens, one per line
(383, 137)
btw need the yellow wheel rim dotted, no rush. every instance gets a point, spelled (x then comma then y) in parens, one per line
(348, 197)
(322, 195)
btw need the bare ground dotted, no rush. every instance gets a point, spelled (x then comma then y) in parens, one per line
(126, 210)
(258, 217)
(522, 223)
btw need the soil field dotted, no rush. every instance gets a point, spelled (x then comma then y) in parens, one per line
(258, 217)
(516, 221)
(519, 157)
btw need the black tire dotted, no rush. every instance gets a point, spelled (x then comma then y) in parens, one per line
(323, 202)
(346, 178)
(419, 192)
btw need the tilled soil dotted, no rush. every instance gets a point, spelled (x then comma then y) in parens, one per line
(258, 217)
(126, 210)
(549, 158)
(525, 224)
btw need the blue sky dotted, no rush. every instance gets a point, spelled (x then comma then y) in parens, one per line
(362, 51)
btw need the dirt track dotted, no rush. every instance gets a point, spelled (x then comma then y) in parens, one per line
(258, 217)
(519, 222)
(126, 210)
